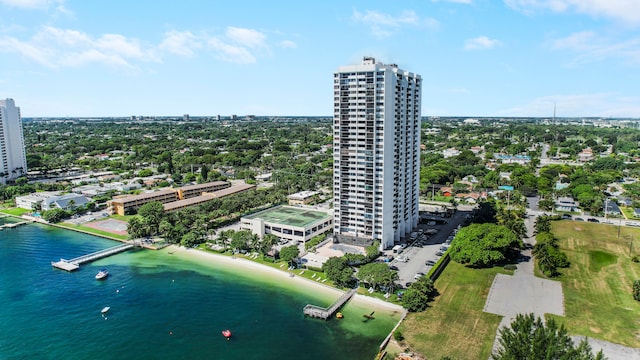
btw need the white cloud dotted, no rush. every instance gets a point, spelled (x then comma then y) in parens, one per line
(625, 10)
(384, 25)
(590, 47)
(45, 5)
(481, 43)
(231, 53)
(180, 43)
(288, 44)
(246, 37)
(587, 105)
(55, 48)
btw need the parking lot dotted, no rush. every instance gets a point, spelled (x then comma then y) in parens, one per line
(417, 255)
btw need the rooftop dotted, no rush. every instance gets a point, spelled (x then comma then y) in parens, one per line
(291, 216)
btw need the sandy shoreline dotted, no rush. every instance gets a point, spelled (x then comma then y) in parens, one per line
(284, 277)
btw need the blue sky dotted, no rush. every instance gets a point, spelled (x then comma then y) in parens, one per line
(476, 57)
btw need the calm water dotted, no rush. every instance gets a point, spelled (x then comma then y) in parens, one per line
(163, 306)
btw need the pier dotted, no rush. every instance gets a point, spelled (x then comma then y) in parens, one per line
(74, 264)
(13, 225)
(325, 313)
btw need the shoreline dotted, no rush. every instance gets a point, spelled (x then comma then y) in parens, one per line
(297, 281)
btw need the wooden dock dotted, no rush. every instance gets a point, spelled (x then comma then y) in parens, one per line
(13, 225)
(325, 313)
(74, 264)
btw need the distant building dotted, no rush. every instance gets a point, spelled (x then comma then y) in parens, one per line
(567, 204)
(585, 155)
(611, 208)
(13, 159)
(177, 198)
(376, 152)
(451, 152)
(302, 197)
(185, 117)
(65, 202)
(34, 200)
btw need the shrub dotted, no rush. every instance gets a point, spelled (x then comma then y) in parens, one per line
(397, 335)
(636, 290)
(511, 267)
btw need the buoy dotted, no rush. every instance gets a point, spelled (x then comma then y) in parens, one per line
(226, 333)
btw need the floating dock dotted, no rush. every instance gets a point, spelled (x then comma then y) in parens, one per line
(74, 264)
(326, 313)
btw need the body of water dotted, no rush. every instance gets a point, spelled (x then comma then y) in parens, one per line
(163, 306)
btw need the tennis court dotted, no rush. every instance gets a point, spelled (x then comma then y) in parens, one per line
(290, 216)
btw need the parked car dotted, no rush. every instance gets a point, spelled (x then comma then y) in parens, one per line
(593, 220)
(429, 262)
(439, 253)
(578, 219)
(566, 217)
(393, 267)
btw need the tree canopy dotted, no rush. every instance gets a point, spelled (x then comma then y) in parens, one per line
(418, 295)
(377, 274)
(485, 244)
(337, 270)
(528, 338)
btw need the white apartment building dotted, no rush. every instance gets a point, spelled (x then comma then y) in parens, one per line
(376, 156)
(13, 160)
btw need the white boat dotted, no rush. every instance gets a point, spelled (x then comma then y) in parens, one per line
(105, 310)
(102, 274)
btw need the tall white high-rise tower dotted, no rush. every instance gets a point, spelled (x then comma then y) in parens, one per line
(13, 160)
(376, 158)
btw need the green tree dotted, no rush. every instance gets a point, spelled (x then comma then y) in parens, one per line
(338, 271)
(54, 215)
(548, 255)
(484, 245)
(137, 228)
(418, 295)
(528, 338)
(289, 253)
(152, 213)
(636, 290)
(377, 274)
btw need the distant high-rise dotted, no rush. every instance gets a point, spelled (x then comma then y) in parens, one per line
(13, 160)
(376, 158)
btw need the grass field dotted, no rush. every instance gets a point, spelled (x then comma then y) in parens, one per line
(15, 211)
(598, 284)
(455, 325)
(93, 231)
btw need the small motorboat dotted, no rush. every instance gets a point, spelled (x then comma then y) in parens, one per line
(226, 333)
(105, 310)
(102, 274)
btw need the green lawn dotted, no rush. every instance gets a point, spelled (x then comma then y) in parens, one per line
(15, 211)
(455, 325)
(598, 284)
(93, 231)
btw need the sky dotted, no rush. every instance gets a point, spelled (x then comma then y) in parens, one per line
(276, 58)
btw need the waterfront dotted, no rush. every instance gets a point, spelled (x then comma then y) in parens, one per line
(163, 306)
